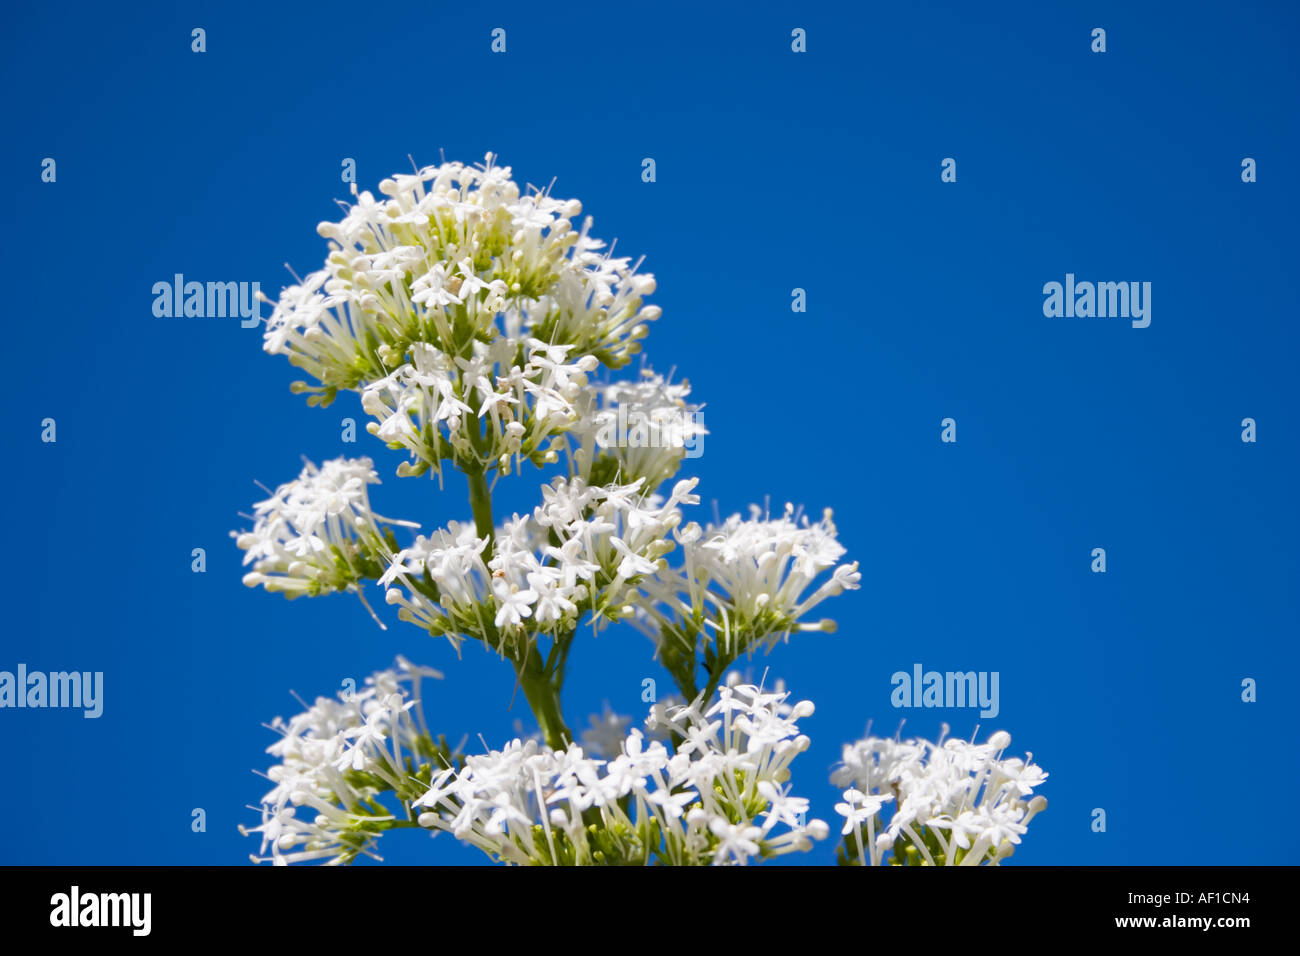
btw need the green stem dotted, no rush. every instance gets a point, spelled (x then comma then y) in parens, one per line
(715, 676)
(541, 693)
(563, 642)
(544, 700)
(480, 502)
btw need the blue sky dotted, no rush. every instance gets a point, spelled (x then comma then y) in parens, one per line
(775, 170)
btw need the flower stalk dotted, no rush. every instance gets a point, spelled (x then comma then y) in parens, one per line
(469, 318)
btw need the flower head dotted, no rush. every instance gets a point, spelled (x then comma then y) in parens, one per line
(467, 314)
(718, 798)
(317, 534)
(336, 758)
(745, 583)
(955, 802)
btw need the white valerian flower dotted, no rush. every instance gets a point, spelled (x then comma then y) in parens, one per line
(336, 758)
(412, 404)
(744, 583)
(467, 314)
(641, 429)
(317, 534)
(584, 549)
(954, 802)
(718, 799)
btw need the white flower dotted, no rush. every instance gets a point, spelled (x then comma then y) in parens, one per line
(717, 800)
(454, 258)
(586, 548)
(644, 428)
(335, 758)
(317, 534)
(957, 802)
(744, 583)
(736, 842)
(513, 605)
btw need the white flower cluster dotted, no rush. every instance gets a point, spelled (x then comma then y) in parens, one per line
(955, 803)
(336, 758)
(642, 429)
(458, 301)
(718, 798)
(317, 534)
(745, 582)
(584, 548)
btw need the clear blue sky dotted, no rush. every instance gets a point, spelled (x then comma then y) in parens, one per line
(775, 170)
